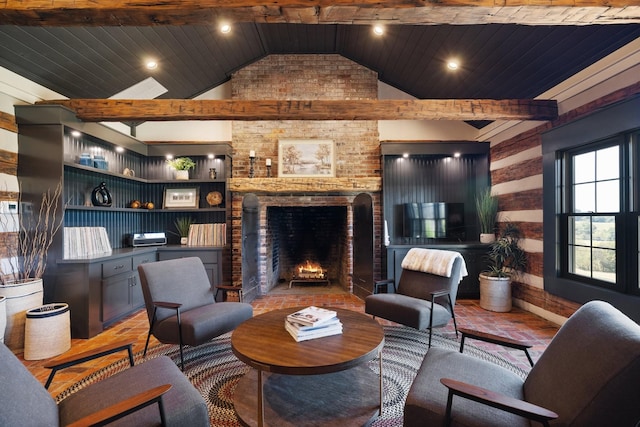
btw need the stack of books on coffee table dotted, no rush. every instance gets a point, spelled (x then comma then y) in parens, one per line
(312, 322)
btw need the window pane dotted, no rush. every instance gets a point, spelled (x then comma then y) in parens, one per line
(584, 167)
(608, 196)
(581, 262)
(580, 230)
(604, 232)
(604, 265)
(608, 163)
(584, 198)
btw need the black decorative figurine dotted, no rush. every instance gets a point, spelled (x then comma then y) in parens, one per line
(100, 196)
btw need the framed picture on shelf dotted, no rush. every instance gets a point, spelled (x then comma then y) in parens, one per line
(181, 198)
(306, 158)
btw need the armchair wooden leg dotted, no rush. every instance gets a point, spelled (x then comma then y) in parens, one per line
(180, 336)
(153, 321)
(453, 315)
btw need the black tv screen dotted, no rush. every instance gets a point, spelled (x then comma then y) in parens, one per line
(434, 220)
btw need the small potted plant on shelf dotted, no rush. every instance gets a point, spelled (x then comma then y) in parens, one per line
(506, 260)
(182, 165)
(487, 209)
(182, 226)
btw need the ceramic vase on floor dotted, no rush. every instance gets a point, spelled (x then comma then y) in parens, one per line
(21, 296)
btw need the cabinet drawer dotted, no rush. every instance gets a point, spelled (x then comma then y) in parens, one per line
(143, 259)
(116, 266)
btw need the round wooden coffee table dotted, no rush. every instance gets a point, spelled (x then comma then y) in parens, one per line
(319, 382)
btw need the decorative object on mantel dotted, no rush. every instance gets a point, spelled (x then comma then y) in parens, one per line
(252, 162)
(306, 158)
(268, 168)
(214, 198)
(100, 196)
(506, 260)
(182, 165)
(21, 273)
(487, 209)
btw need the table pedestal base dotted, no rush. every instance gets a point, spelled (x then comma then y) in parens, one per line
(345, 398)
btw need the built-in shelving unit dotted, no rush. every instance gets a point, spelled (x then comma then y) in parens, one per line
(100, 290)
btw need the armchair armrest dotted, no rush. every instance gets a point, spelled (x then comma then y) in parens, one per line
(66, 361)
(379, 283)
(496, 400)
(121, 409)
(165, 304)
(496, 339)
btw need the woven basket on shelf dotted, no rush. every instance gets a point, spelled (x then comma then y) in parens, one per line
(47, 331)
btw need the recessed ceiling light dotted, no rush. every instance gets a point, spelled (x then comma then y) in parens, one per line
(151, 64)
(453, 64)
(378, 30)
(120, 149)
(405, 155)
(169, 156)
(210, 156)
(75, 133)
(456, 155)
(225, 28)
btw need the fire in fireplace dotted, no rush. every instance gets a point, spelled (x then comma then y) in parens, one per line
(309, 271)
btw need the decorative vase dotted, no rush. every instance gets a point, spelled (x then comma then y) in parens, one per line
(184, 240)
(21, 296)
(182, 175)
(487, 237)
(495, 293)
(3, 317)
(100, 196)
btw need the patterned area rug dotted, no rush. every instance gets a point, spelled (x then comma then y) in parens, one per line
(215, 371)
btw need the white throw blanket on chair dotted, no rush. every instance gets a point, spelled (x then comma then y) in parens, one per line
(433, 261)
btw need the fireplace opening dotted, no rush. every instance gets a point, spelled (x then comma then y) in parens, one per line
(308, 245)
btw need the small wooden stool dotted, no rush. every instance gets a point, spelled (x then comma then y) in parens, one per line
(226, 288)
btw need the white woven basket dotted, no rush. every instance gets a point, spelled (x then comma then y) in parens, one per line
(47, 331)
(21, 296)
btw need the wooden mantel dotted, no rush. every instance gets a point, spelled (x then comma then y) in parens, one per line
(124, 110)
(305, 185)
(413, 12)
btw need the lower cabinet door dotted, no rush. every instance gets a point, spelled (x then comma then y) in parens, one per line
(115, 297)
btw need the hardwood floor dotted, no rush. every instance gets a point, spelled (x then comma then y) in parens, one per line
(516, 324)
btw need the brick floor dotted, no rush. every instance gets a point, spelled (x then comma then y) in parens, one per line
(517, 324)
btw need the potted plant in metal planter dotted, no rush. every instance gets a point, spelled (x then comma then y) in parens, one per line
(506, 260)
(182, 165)
(487, 209)
(21, 274)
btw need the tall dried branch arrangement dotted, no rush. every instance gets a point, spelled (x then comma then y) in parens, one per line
(37, 228)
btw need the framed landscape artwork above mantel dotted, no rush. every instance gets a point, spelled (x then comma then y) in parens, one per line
(306, 158)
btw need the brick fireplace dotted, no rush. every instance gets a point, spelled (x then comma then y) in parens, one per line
(357, 168)
(293, 228)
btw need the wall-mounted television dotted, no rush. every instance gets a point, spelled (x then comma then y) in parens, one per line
(434, 220)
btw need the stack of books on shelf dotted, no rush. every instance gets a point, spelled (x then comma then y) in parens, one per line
(312, 322)
(207, 235)
(82, 242)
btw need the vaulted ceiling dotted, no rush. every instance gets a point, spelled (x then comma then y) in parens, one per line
(498, 60)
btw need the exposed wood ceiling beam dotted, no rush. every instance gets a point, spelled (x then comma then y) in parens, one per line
(92, 110)
(418, 12)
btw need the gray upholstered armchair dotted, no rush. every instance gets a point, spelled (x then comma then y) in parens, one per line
(426, 291)
(181, 306)
(587, 376)
(146, 394)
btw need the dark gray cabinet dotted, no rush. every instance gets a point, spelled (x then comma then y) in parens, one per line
(211, 258)
(474, 255)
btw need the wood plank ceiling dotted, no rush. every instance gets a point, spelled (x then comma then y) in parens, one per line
(499, 60)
